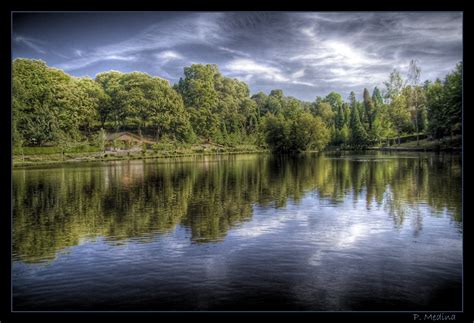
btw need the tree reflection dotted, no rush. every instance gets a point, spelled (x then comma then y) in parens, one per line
(58, 208)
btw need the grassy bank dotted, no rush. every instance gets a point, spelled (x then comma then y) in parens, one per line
(33, 156)
(52, 155)
(444, 144)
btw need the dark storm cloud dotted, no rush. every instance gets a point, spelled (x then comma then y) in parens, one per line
(306, 54)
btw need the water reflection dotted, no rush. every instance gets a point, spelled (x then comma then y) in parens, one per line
(57, 208)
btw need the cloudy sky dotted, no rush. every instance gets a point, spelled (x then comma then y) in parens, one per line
(304, 53)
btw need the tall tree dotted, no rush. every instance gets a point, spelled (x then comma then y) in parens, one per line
(399, 114)
(369, 114)
(453, 96)
(358, 133)
(394, 85)
(335, 100)
(48, 105)
(377, 97)
(111, 108)
(414, 72)
(201, 98)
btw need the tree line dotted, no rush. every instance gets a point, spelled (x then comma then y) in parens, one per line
(51, 107)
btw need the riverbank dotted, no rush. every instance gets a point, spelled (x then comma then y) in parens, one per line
(20, 161)
(29, 160)
(443, 145)
(446, 144)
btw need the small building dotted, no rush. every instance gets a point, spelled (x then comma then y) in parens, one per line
(125, 140)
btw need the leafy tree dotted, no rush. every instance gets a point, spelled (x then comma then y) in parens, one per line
(48, 105)
(111, 108)
(260, 100)
(335, 101)
(399, 114)
(277, 133)
(201, 98)
(453, 100)
(444, 104)
(325, 112)
(394, 85)
(52, 107)
(415, 96)
(101, 139)
(93, 97)
(308, 132)
(436, 113)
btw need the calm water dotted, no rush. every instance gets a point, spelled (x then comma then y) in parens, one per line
(250, 232)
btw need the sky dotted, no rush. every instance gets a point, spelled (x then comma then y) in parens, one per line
(306, 54)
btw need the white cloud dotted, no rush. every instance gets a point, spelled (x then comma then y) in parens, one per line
(35, 44)
(308, 31)
(257, 70)
(347, 54)
(292, 51)
(201, 30)
(87, 61)
(233, 51)
(167, 56)
(298, 74)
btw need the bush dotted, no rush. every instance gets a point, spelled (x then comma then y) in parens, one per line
(56, 150)
(41, 150)
(162, 146)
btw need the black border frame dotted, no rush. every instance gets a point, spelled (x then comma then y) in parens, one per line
(6, 315)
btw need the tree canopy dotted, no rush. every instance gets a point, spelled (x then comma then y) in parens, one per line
(51, 107)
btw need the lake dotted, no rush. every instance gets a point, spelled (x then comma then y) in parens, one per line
(349, 232)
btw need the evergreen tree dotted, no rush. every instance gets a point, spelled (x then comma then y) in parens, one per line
(369, 112)
(358, 133)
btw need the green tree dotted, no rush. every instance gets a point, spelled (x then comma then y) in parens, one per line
(444, 104)
(394, 85)
(399, 114)
(453, 100)
(111, 108)
(358, 134)
(308, 132)
(325, 112)
(377, 97)
(335, 101)
(277, 133)
(93, 97)
(415, 98)
(369, 113)
(436, 108)
(47, 103)
(396, 95)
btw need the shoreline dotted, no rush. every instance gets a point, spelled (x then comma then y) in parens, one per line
(91, 158)
(420, 149)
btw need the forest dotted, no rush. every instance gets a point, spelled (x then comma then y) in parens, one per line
(53, 108)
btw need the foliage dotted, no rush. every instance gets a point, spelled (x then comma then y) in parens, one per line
(51, 107)
(359, 138)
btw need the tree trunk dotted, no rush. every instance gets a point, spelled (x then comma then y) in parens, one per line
(416, 124)
(158, 134)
